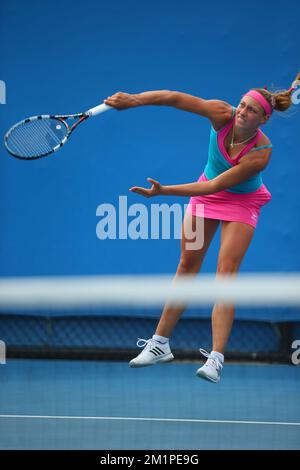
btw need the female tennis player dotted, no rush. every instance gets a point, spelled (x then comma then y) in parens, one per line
(232, 192)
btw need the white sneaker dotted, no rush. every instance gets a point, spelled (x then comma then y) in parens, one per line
(211, 370)
(153, 352)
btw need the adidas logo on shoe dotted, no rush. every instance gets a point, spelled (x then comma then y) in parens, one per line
(153, 353)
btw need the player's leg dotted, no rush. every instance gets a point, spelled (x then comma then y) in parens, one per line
(235, 240)
(157, 349)
(189, 264)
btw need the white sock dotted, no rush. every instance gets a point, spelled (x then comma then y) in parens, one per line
(219, 355)
(160, 339)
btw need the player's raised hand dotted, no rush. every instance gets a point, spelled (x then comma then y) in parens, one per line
(122, 100)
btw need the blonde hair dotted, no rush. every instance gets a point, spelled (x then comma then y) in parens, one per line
(280, 100)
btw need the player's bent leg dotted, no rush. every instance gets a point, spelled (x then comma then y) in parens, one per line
(157, 350)
(189, 265)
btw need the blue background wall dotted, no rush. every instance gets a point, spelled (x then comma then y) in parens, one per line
(60, 57)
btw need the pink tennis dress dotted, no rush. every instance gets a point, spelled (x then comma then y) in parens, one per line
(242, 202)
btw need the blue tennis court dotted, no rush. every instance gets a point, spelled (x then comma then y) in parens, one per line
(47, 404)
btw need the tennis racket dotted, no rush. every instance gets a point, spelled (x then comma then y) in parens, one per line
(39, 136)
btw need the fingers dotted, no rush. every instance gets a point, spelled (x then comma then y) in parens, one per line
(116, 95)
(111, 102)
(152, 181)
(138, 189)
(147, 192)
(142, 191)
(116, 100)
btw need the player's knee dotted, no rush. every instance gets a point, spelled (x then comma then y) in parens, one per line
(228, 266)
(188, 265)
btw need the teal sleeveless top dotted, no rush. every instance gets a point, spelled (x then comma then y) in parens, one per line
(219, 160)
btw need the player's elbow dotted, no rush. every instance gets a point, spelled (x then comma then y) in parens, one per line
(170, 97)
(260, 163)
(214, 186)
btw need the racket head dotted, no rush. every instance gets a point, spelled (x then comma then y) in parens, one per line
(37, 137)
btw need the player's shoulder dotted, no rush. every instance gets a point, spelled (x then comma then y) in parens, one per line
(224, 116)
(263, 140)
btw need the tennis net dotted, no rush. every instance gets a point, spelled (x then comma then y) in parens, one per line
(101, 317)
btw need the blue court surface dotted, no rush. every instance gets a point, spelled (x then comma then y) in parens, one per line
(47, 404)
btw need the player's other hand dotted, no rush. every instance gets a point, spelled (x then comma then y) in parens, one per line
(155, 190)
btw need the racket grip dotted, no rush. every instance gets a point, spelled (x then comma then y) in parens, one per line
(98, 109)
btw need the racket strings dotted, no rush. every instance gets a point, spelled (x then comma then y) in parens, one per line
(36, 137)
(27, 141)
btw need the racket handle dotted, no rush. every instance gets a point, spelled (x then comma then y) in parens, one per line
(98, 109)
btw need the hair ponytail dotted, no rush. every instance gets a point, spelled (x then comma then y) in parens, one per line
(280, 100)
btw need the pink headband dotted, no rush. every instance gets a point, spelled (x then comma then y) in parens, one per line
(261, 100)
